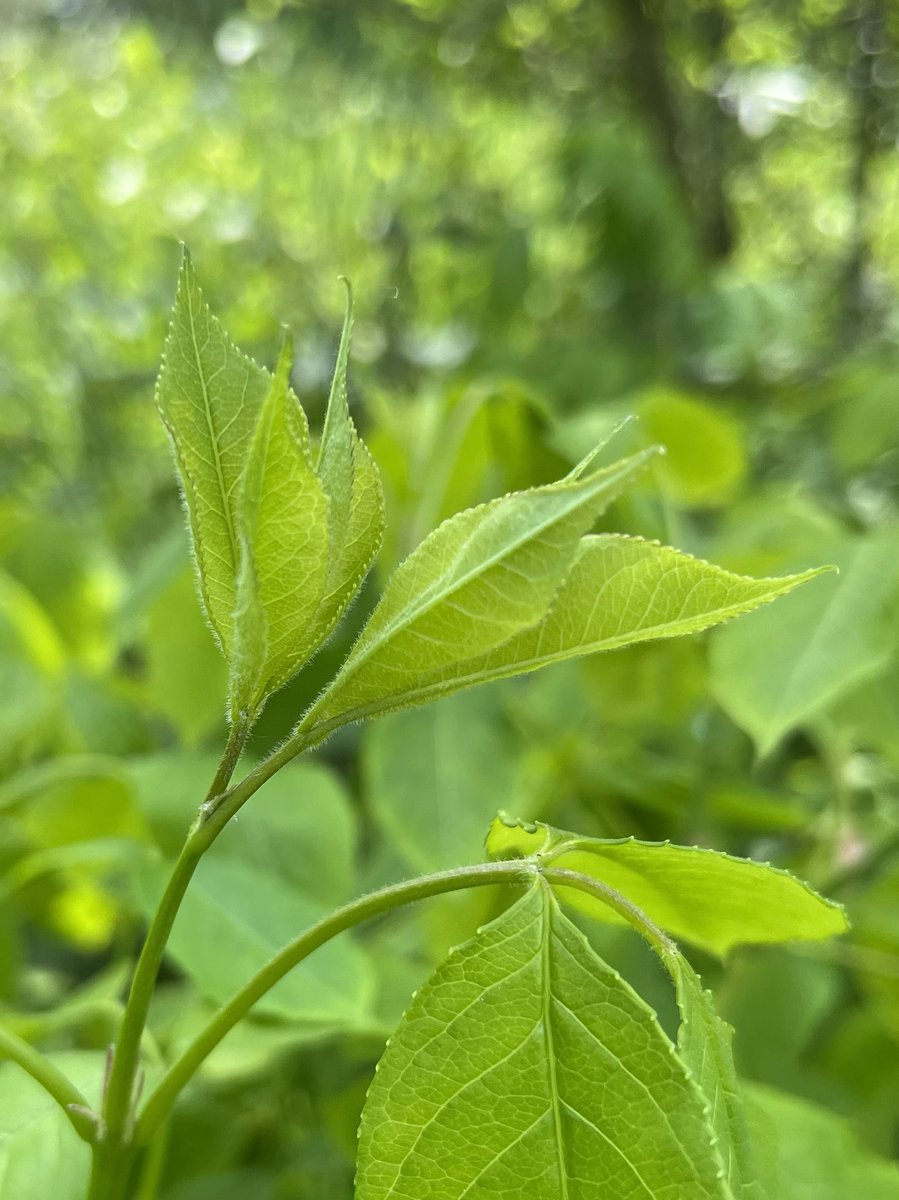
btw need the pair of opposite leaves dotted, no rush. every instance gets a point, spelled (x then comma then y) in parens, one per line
(282, 543)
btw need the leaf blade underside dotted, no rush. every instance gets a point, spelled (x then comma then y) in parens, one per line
(517, 1072)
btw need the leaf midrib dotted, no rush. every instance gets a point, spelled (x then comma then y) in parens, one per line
(546, 1000)
(213, 436)
(431, 599)
(524, 666)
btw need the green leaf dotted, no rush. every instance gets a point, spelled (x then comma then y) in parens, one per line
(40, 1154)
(704, 1045)
(235, 917)
(618, 591)
(818, 644)
(433, 776)
(519, 1071)
(210, 396)
(350, 479)
(706, 897)
(186, 679)
(706, 462)
(817, 1156)
(284, 538)
(475, 582)
(300, 828)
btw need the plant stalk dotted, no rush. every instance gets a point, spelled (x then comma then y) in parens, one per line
(52, 1080)
(118, 1100)
(397, 895)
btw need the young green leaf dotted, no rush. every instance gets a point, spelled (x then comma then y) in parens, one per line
(618, 591)
(350, 479)
(284, 537)
(704, 1044)
(476, 581)
(518, 1071)
(210, 396)
(708, 898)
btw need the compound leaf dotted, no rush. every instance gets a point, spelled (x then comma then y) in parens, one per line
(708, 898)
(518, 1071)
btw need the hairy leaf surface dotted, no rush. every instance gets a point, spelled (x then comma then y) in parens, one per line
(475, 582)
(704, 1044)
(285, 549)
(526, 1068)
(619, 590)
(350, 479)
(708, 898)
(210, 396)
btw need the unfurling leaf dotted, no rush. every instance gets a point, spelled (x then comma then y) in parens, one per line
(705, 897)
(281, 544)
(284, 539)
(210, 396)
(351, 481)
(527, 1068)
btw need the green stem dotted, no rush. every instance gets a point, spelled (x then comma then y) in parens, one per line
(395, 896)
(51, 1079)
(221, 807)
(601, 891)
(120, 1091)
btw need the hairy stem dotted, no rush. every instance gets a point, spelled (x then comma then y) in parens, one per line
(397, 895)
(601, 891)
(52, 1080)
(120, 1091)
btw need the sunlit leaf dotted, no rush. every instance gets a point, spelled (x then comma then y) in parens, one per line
(210, 396)
(350, 479)
(703, 896)
(475, 582)
(704, 1044)
(618, 591)
(284, 550)
(518, 1071)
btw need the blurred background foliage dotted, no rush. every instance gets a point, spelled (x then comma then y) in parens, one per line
(555, 213)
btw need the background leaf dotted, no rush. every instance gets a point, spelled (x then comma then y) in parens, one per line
(40, 1154)
(819, 643)
(435, 775)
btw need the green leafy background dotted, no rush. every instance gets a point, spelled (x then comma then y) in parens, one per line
(553, 215)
